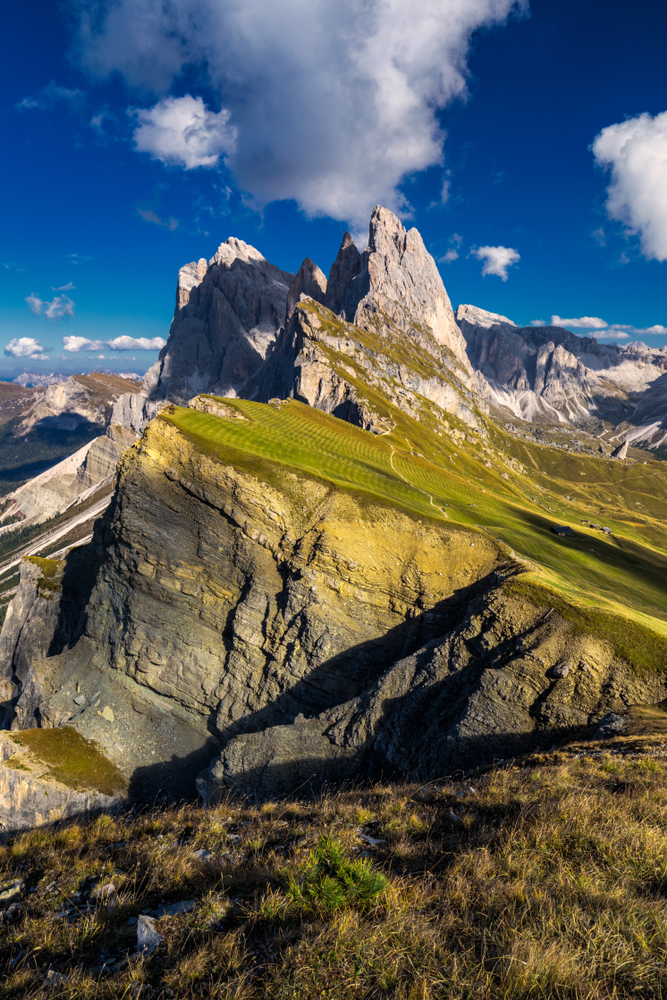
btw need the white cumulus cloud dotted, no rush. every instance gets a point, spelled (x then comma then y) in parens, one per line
(74, 344)
(635, 151)
(182, 131)
(582, 323)
(59, 307)
(334, 102)
(26, 347)
(496, 259)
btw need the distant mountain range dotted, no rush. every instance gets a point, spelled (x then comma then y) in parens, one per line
(339, 532)
(547, 375)
(32, 380)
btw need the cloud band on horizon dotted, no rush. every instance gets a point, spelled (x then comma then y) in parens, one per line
(75, 344)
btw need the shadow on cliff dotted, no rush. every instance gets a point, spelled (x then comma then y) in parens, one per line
(81, 566)
(173, 780)
(414, 739)
(309, 777)
(348, 674)
(23, 456)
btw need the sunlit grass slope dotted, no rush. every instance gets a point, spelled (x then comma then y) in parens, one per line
(543, 881)
(516, 491)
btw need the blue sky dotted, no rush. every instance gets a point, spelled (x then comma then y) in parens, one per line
(140, 136)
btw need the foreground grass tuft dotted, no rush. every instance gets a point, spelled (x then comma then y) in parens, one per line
(547, 880)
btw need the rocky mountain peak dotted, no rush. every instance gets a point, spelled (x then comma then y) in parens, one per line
(235, 250)
(228, 313)
(310, 280)
(481, 317)
(346, 267)
(395, 279)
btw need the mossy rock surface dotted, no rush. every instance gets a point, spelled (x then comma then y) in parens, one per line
(49, 567)
(72, 760)
(642, 648)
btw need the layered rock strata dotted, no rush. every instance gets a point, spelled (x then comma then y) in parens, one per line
(246, 604)
(301, 633)
(509, 678)
(46, 616)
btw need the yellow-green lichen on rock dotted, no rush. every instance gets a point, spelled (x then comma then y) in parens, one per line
(47, 775)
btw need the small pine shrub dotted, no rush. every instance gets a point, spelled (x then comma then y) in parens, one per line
(331, 880)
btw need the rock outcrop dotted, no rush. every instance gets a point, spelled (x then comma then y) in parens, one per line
(46, 616)
(70, 481)
(382, 317)
(228, 313)
(331, 365)
(56, 776)
(309, 281)
(245, 605)
(507, 679)
(299, 631)
(400, 282)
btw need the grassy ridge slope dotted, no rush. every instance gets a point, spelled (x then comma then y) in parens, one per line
(447, 473)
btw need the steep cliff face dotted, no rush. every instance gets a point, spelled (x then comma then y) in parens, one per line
(341, 369)
(293, 604)
(251, 603)
(383, 320)
(399, 286)
(45, 617)
(228, 313)
(295, 597)
(510, 677)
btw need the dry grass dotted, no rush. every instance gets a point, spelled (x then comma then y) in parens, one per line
(548, 880)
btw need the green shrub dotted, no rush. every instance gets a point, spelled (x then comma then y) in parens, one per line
(331, 880)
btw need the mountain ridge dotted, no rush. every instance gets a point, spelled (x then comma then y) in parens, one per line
(291, 574)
